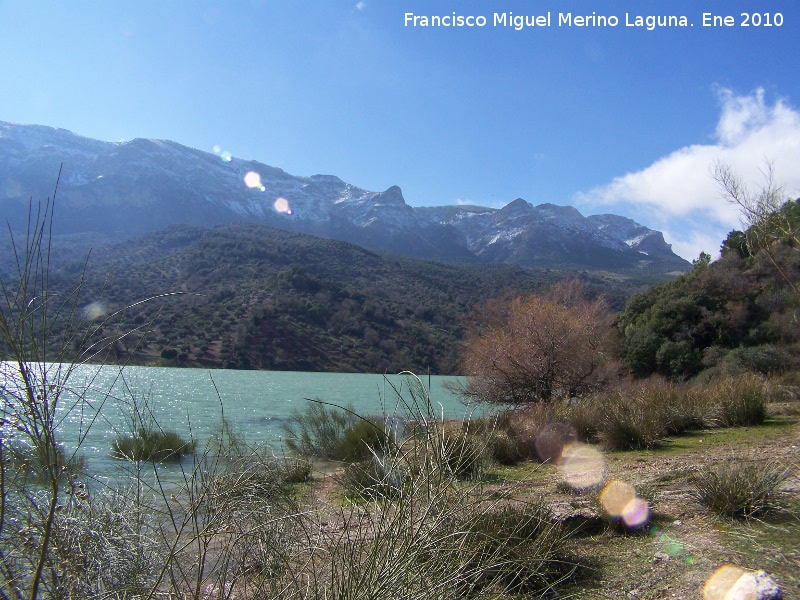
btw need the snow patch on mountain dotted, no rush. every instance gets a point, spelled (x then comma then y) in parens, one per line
(145, 184)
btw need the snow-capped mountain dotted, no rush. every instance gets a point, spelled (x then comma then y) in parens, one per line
(127, 188)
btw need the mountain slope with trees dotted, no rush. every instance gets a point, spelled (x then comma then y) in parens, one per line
(739, 311)
(257, 297)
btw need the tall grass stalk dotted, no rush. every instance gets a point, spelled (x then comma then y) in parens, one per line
(435, 535)
(44, 338)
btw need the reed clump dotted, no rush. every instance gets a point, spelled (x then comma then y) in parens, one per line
(642, 414)
(333, 433)
(741, 488)
(156, 445)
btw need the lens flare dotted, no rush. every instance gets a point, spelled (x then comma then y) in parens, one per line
(636, 513)
(619, 500)
(730, 583)
(226, 156)
(94, 310)
(216, 149)
(616, 496)
(253, 180)
(581, 465)
(671, 545)
(282, 206)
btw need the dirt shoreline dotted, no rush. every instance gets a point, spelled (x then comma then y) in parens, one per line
(683, 543)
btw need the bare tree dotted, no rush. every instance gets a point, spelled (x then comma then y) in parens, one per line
(535, 347)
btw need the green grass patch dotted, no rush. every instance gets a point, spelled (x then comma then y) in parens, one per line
(526, 471)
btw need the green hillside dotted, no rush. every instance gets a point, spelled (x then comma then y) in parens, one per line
(261, 298)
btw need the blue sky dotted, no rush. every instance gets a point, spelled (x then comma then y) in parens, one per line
(607, 119)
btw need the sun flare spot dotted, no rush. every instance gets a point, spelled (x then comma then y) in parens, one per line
(619, 500)
(94, 310)
(223, 154)
(616, 496)
(581, 465)
(636, 513)
(282, 206)
(727, 583)
(253, 180)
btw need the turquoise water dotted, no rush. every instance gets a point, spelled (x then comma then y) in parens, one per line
(255, 403)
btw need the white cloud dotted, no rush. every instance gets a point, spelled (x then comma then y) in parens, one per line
(677, 191)
(361, 5)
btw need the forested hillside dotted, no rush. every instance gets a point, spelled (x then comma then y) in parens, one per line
(740, 311)
(262, 298)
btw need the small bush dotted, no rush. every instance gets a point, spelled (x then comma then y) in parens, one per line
(582, 414)
(686, 409)
(739, 401)
(629, 421)
(153, 445)
(361, 439)
(106, 547)
(552, 440)
(461, 455)
(318, 430)
(764, 359)
(508, 436)
(505, 449)
(512, 550)
(295, 471)
(334, 433)
(741, 489)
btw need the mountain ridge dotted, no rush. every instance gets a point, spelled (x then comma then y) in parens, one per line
(127, 188)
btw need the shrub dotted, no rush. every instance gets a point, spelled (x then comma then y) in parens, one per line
(686, 408)
(552, 440)
(506, 449)
(461, 455)
(103, 547)
(509, 436)
(361, 439)
(515, 549)
(740, 488)
(295, 471)
(629, 421)
(764, 359)
(582, 413)
(739, 401)
(537, 347)
(317, 431)
(334, 433)
(155, 445)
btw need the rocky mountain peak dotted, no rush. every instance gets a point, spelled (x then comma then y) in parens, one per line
(124, 189)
